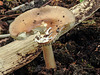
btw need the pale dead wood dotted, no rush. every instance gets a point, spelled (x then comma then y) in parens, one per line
(85, 9)
(18, 54)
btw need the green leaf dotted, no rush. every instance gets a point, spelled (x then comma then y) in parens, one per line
(81, 0)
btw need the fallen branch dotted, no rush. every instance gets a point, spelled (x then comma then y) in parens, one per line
(6, 16)
(17, 54)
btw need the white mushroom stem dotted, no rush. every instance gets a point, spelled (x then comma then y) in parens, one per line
(48, 53)
(47, 49)
(49, 56)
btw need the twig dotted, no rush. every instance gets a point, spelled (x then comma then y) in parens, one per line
(20, 7)
(46, 3)
(4, 35)
(9, 16)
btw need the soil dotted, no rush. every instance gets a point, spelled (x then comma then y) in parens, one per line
(76, 53)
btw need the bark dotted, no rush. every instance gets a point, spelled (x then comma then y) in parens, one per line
(85, 9)
(17, 54)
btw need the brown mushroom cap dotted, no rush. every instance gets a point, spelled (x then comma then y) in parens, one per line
(53, 17)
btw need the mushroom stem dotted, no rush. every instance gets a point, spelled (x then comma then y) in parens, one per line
(49, 56)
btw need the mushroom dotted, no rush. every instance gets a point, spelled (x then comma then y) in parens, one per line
(49, 21)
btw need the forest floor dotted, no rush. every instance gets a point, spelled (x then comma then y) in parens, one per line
(76, 53)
